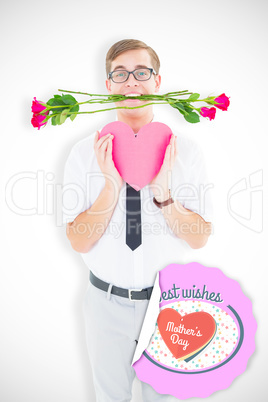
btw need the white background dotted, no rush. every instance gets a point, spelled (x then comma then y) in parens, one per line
(205, 46)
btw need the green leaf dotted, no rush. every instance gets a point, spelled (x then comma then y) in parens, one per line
(64, 115)
(179, 107)
(68, 99)
(187, 108)
(53, 120)
(73, 116)
(74, 108)
(50, 101)
(57, 96)
(56, 102)
(194, 97)
(192, 117)
(57, 120)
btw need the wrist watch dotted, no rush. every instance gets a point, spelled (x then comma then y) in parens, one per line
(164, 203)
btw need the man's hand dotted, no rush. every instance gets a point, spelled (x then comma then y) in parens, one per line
(161, 182)
(103, 149)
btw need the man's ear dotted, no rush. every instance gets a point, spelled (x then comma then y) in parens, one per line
(157, 82)
(108, 85)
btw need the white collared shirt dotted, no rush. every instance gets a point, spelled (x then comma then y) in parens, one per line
(110, 259)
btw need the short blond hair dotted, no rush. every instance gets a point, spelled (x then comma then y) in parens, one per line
(130, 44)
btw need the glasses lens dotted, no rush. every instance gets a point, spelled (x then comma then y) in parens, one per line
(119, 76)
(142, 74)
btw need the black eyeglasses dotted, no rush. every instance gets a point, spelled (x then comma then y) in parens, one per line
(140, 74)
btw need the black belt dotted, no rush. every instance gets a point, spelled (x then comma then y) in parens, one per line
(131, 294)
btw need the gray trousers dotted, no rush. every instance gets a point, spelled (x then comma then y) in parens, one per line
(113, 324)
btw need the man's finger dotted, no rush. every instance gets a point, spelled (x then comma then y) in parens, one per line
(96, 138)
(102, 140)
(106, 144)
(175, 148)
(167, 154)
(101, 147)
(109, 148)
(172, 155)
(176, 145)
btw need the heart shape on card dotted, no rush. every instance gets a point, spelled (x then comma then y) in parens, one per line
(186, 336)
(138, 158)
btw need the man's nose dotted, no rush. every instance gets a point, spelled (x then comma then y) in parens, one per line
(132, 81)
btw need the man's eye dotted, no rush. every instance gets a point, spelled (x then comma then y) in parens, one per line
(120, 74)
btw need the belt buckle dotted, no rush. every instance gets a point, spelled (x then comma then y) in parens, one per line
(133, 290)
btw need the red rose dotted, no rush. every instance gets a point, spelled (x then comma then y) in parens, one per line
(37, 106)
(208, 112)
(222, 102)
(37, 120)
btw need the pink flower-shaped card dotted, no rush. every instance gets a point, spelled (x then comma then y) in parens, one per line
(202, 336)
(138, 158)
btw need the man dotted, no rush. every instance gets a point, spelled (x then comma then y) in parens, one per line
(101, 221)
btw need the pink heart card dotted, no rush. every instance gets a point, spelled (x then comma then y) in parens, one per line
(138, 158)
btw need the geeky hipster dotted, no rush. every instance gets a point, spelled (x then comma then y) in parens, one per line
(113, 320)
